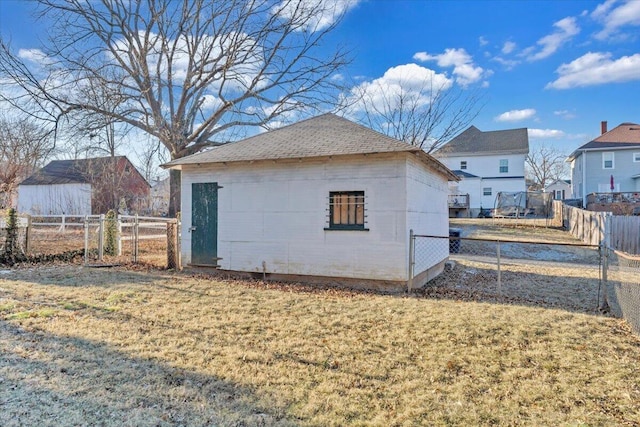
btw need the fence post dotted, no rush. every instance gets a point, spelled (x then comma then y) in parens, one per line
(135, 239)
(172, 245)
(499, 273)
(411, 260)
(605, 244)
(101, 238)
(27, 236)
(119, 235)
(62, 224)
(86, 239)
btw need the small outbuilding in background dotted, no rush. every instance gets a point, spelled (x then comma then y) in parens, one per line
(84, 187)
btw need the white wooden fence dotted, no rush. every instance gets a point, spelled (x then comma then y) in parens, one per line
(48, 234)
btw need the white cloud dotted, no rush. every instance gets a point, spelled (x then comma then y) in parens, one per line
(516, 115)
(313, 15)
(565, 30)
(409, 80)
(614, 18)
(545, 133)
(507, 63)
(603, 9)
(595, 68)
(35, 56)
(482, 40)
(508, 47)
(209, 102)
(464, 69)
(565, 114)
(337, 77)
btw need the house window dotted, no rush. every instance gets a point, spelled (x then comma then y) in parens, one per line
(486, 191)
(559, 195)
(636, 157)
(346, 210)
(504, 165)
(608, 160)
(463, 164)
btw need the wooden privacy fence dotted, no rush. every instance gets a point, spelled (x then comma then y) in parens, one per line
(585, 225)
(591, 228)
(625, 233)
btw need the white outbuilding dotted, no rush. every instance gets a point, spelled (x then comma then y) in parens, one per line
(322, 198)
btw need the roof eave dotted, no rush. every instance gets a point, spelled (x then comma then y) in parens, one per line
(483, 153)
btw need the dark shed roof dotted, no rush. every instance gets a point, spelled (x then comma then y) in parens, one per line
(78, 171)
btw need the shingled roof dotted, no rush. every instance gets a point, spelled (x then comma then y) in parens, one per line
(76, 171)
(624, 135)
(475, 141)
(326, 135)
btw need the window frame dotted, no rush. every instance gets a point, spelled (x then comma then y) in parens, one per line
(463, 165)
(485, 193)
(505, 166)
(355, 221)
(613, 160)
(636, 157)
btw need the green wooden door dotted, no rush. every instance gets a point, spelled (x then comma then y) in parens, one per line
(204, 223)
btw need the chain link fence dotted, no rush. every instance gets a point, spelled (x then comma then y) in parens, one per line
(575, 277)
(623, 280)
(567, 276)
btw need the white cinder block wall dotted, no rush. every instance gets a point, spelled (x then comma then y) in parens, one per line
(427, 214)
(277, 212)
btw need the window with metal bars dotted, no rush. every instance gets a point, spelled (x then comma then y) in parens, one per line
(346, 210)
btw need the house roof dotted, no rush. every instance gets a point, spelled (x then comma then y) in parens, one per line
(71, 171)
(475, 141)
(326, 135)
(559, 181)
(625, 135)
(463, 174)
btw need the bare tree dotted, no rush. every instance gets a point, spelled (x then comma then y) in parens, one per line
(96, 134)
(148, 155)
(24, 145)
(189, 73)
(426, 116)
(545, 164)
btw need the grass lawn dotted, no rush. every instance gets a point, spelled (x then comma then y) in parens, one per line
(109, 347)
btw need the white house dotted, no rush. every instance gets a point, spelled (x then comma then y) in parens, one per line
(486, 163)
(560, 188)
(323, 197)
(609, 163)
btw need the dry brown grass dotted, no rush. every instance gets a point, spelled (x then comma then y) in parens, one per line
(113, 347)
(504, 229)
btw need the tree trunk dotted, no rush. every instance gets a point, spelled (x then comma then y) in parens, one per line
(174, 192)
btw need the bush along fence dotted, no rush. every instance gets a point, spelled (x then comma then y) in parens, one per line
(99, 239)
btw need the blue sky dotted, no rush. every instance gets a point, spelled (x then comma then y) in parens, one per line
(555, 67)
